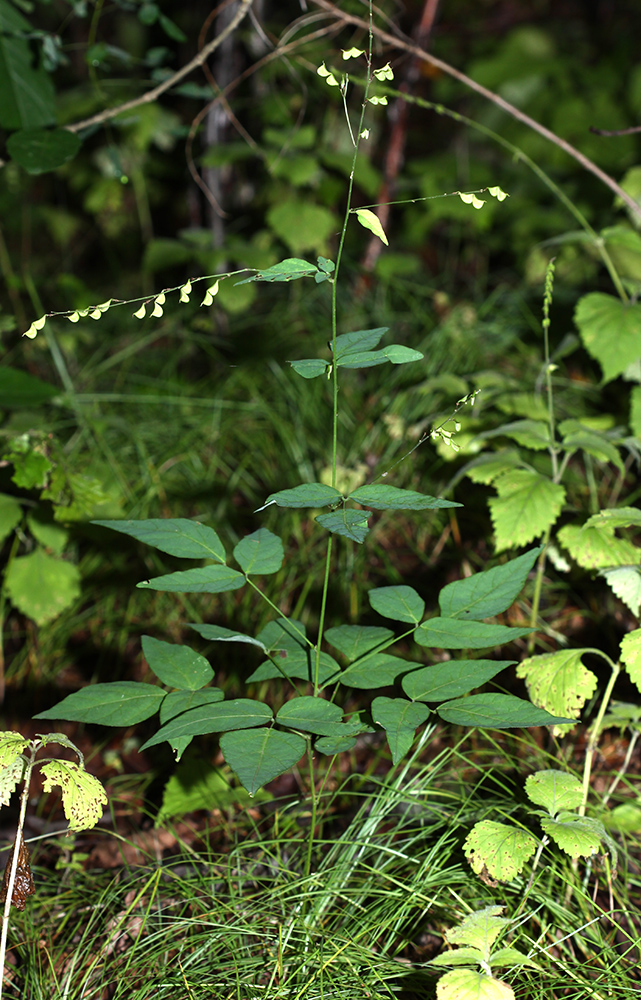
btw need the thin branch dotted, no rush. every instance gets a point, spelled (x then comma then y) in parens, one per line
(152, 95)
(415, 50)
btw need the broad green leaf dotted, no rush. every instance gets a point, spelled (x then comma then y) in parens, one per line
(451, 679)
(302, 226)
(240, 713)
(625, 581)
(10, 514)
(331, 745)
(296, 663)
(558, 681)
(610, 330)
(122, 703)
(42, 586)
(197, 785)
(486, 468)
(358, 341)
(178, 702)
(310, 367)
(499, 850)
(467, 984)
(19, 389)
(174, 535)
(509, 958)
(597, 547)
(283, 633)
(306, 495)
(216, 633)
(369, 220)
(10, 776)
(39, 150)
(496, 711)
(25, 85)
(11, 747)
(83, 797)
(400, 719)
(526, 506)
(376, 671)
(350, 524)
(393, 498)
(286, 270)
(615, 517)
(402, 604)
(578, 836)
(554, 790)
(316, 715)
(456, 633)
(631, 655)
(202, 580)
(479, 929)
(177, 666)
(398, 354)
(458, 956)
(260, 755)
(489, 593)
(356, 640)
(45, 530)
(576, 437)
(260, 553)
(534, 434)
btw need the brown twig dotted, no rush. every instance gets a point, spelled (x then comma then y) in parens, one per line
(415, 50)
(615, 131)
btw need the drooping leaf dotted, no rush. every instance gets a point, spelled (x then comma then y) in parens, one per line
(306, 495)
(175, 535)
(497, 711)
(401, 603)
(526, 506)
(258, 756)
(23, 885)
(499, 850)
(356, 640)
(489, 593)
(177, 666)
(456, 633)
(83, 797)
(625, 582)
(41, 585)
(554, 790)
(121, 703)
(260, 553)
(392, 498)
(10, 776)
(558, 681)
(214, 579)
(39, 150)
(400, 719)
(610, 330)
(351, 524)
(451, 679)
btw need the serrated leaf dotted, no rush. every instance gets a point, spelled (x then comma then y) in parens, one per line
(479, 929)
(240, 713)
(370, 221)
(631, 655)
(400, 719)
(534, 434)
(498, 849)
(576, 835)
(558, 681)
(122, 703)
(597, 547)
(177, 536)
(376, 671)
(496, 711)
(458, 956)
(392, 498)
(350, 524)
(610, 330)
(486, 594)
(451, 679)
(526, 506)
(260, 755)
(615, 517)
(577, 437)
(400, 603)
(83, 797)
(356, 640)
(486, 468)
(215, 579)
(260, 553)
(625, 581)
(177, 666)
(305, 495)
(10, 776)
(554, 790)
(11, 747)
(42, 586)
(467, 984)
(509, 958)
(456, 633)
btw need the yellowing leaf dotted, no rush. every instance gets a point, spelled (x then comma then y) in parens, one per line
(527, 504)
(140, 313)
(352, 53)
(384, 73)
(498, 193)
(11, 746)
(378, 100)
(35, 326)
(209, 294)
(9, 778)
(82, 795)
(471, 199)
(631, 655)
(185, 292)
(74, 317)
(558, 682)
(370, 221)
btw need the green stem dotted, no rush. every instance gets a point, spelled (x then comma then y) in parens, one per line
(595, 731)
(314, 798)
(24, 798)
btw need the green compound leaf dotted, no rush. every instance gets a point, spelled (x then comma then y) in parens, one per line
(354, 641)
(496, 711)
(310, 367)
(123, 703)
(498, 850)
(578, 836)
(203, 580)
(526, 506)
(616, 517)
(354, 343)
(287, 270)
(315, 715)
(625, 582)
(42, 586)
(299, 664)
(398, 354)
(260, 755)
(240, 713)
(401, 603)
(176, 535)
(467, 984)
(177, 666)
(451, 679)
(631, 655)
(283, 633)
(558, 682)
(486, 594)
(39, 150)
(400, 719)
(376, 671)
(456, 633)
(216, 633)
(10, 514)
(554, 790)
(350, 524)
(597, 547)
(178, 702)
(306, 495)
(393, 498)
(83, 797)
(260, 553)
(331, 745)
(11, 747)
(610, 330)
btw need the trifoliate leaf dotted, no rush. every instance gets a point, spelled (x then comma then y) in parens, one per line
(82, 795)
